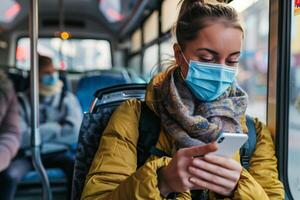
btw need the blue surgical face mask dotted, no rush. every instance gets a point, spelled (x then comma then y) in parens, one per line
(208, 81)
(50, 79)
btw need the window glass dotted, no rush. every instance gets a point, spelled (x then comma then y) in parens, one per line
(136, 41)
(294, 108)
(167, 49)
(151, 28)
(135, 64)
(167, 53)
(150, 61)
(253, 67)
(170, 11)
(71, 55)
(134, 69)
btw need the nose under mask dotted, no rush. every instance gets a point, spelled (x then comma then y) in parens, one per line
(208, 81)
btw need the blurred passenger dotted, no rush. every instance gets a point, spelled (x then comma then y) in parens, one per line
(60, 113)
(60, 116)
(196, 100)
(9, 136)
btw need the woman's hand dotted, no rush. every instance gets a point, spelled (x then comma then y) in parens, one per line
(215, 173)
(175, 177)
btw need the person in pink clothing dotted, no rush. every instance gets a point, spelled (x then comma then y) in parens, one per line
(10, 134)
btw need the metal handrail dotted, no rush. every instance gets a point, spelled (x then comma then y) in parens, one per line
(34, 95)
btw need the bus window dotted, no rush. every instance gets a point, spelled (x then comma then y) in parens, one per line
(168, 19)
(294, 107)
(167, 53)
(135, 63)
(150, 61)
(151, 28)
(71, 55)
(253, 66)
(136, 41)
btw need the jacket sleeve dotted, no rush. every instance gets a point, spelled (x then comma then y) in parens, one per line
(9, 129)
(48, 131)
(66, 129)
(70, 124)
(113, 173)
(261, 182)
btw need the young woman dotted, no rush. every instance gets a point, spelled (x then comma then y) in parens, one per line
(196, 100)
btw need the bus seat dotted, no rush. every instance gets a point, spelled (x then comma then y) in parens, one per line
(57, 179)
(30, 184)
(53, 174)
(89, 84)
(20, 78)
(94, 123)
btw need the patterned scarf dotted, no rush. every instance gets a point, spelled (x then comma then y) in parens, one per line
(192, 122)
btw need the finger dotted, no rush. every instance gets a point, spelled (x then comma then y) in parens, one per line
(228, 163)
(201, 184)
(200, 150)
(215, 169)
(212, 178)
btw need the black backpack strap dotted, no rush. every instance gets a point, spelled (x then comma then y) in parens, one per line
(149, 129)
(249, 147)
(62, 97)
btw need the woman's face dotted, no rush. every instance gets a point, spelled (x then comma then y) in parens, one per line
(214, 44)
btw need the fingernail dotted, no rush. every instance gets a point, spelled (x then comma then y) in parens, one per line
(192, 180)
(197, 162)
(209, 156)
(191, 168)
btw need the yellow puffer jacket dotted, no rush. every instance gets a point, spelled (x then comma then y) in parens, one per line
(113, 174)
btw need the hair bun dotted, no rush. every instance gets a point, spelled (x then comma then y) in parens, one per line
(190, 2)
(186, 4)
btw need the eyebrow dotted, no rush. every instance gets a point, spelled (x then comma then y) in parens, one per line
(216, 53)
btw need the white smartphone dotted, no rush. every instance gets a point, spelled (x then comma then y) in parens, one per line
(230, 143)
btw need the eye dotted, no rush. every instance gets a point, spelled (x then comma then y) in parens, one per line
(206, 58)
(232, 62)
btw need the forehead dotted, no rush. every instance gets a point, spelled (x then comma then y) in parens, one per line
(218, 37)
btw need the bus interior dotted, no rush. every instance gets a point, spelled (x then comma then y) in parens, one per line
(95, 44)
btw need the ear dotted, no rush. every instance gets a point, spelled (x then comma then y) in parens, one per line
(177, 54)
(180, 61)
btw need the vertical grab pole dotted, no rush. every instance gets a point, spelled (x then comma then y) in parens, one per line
(34, 95)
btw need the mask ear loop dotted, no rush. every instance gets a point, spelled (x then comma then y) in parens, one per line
(184, 60)
(183, 55)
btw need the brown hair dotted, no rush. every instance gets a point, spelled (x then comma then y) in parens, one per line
(195, 15)
(44, 61)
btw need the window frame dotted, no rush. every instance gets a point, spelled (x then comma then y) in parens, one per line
(278, 94)
(162, 36)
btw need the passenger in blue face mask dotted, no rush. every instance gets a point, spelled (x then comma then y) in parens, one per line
(196, 100)
(59, 115)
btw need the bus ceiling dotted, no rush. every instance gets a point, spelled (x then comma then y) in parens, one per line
(117, 16)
